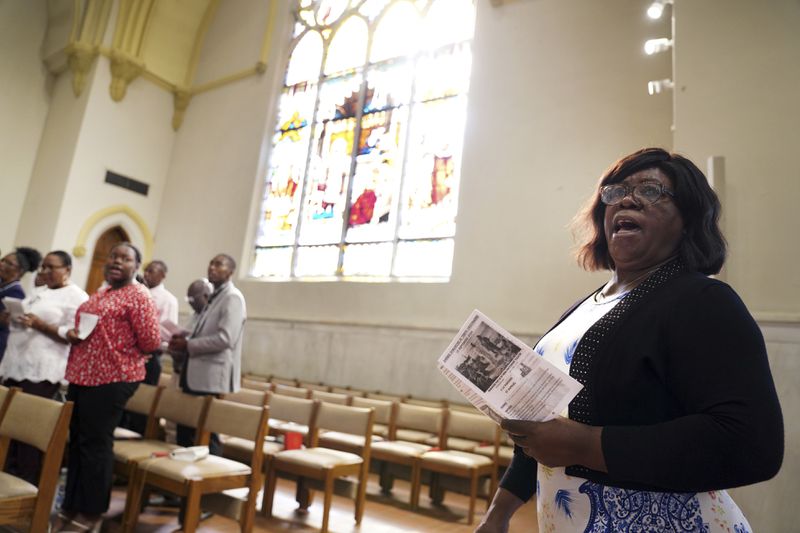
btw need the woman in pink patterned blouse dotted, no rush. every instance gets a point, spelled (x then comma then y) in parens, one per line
(104, 370)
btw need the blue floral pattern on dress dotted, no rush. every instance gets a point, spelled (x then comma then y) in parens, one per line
(563, 501)
(615, 510)
(740, 528)
(570, 351)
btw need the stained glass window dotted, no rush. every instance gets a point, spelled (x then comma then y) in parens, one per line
(363, 174)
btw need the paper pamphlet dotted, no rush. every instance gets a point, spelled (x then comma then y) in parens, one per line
(14, 306)
(173, 328)
(503, 377)
(190, 454)
(87, 324)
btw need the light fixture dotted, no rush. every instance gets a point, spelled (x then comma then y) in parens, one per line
(659, 86)
(656, 9)
(654, 46)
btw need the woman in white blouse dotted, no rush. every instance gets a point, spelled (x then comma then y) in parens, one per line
(37, 351)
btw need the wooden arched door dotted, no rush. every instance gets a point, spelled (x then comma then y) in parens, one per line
(102, 248)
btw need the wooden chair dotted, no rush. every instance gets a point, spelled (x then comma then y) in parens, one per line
(287, 414)
(44, 424)
(505, 452)
(331, 397)
(248, 397)
(415, 424)
(464, 431)
(313, 386)
(327, 465)
(175, 406)
(287, 390)
(289, 382)
(256, 385)
(192, 480)
(143, 402)
(255, 377)
(385, 396)
(425, 402)
(385, 414)
(6, 394)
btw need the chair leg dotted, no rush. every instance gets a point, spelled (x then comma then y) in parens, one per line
(361, 495)
(473, 494)
(415, 483)
(133, 500)
(326, 506)
(269, 492)
(191, 518)
(415, 487)
(247, 516)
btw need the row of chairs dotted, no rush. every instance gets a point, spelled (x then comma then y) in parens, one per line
(307, 389)
(244, 464)
(407, 440)
(142, 460)
(351, 396)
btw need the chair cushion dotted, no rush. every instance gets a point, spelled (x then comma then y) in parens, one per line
(455, 443)
(211, 466)
(505, 453)
(399, 448)
(240, 449)
(14, 487)
(333, 438)
(381, 430)
(412, 435)
(455, 458)
(317, 457)
(133, 450)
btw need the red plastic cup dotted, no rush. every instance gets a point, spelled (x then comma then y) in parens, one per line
(292, 440)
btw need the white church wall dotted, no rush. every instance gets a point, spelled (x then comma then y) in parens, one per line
(737, 74)
(24, 103)
(134, 138)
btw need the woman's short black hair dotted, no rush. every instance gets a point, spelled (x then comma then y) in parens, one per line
(136, 251)
(28, 259)
(65, 258)
(703, 247)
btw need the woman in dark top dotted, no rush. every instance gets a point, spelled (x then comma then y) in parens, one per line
(12, 268)
(678, 401)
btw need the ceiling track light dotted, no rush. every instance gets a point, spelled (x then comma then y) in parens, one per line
(656, 9)
(660, 86)
(654, 46)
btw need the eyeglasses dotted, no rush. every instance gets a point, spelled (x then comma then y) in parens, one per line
(647, 192)
(45, 267)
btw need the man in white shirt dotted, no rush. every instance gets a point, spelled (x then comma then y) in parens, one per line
(166, 302)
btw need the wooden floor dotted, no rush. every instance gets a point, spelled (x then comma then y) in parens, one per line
(383, 514)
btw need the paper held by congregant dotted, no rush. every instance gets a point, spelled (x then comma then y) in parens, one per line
(503, 377)
(14, 306)
(87, 325)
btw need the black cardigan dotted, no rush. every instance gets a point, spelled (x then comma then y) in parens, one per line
(677, 375)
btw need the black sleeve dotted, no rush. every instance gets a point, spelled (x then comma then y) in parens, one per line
(718, 373)
(520, 476)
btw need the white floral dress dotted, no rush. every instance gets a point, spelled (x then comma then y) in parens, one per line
(567, 503)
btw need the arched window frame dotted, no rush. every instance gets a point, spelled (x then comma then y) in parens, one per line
(438, 246)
